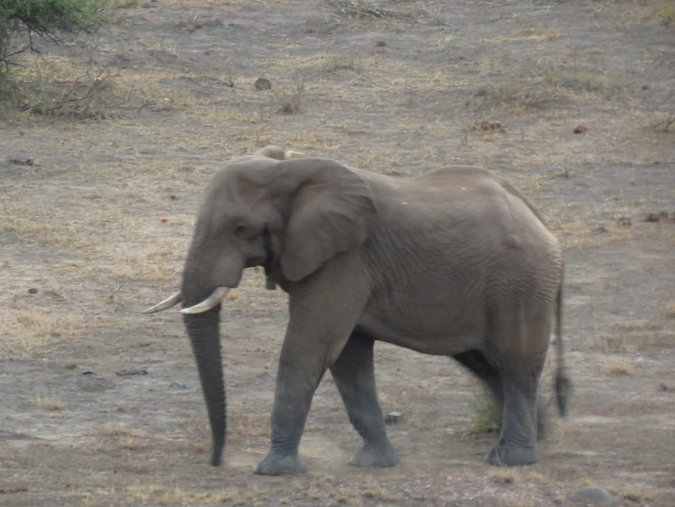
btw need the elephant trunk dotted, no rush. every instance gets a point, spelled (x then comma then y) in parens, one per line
(204, 336)
(203, 330)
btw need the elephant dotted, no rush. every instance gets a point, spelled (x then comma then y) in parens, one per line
(455, 262)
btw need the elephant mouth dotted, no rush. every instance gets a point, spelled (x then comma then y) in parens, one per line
(255, 261)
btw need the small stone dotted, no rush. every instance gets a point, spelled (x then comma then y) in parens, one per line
(380, 43)
(393, 417)
(601, 229)
(32, 290)
(177, 385)
(263, 84)
(580, 129)
(596, 495)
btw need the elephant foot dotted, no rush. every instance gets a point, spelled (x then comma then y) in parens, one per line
(375, 456)
(510, 454)
(276, 464)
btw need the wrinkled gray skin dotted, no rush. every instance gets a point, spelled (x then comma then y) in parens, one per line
(455, 262)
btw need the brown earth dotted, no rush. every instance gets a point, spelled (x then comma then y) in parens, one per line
(100, 179)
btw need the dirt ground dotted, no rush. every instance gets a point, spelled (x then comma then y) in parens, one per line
(101, 176)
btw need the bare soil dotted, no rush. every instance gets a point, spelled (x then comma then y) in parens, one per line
(100, 180)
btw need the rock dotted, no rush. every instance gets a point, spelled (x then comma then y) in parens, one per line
(393, 418)
(90, 382)
(32, 290)
(580, 129)
(624, 221)
(489, 126)
(21, 161)
(263, 84)
(131, 371)
(177, 385)
(596, 496)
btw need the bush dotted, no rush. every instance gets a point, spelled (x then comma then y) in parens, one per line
(21, 20)
(44, 18)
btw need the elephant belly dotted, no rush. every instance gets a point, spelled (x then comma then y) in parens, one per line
(434, 336)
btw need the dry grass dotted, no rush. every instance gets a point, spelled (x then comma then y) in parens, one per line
(371, 489)
(130, 443)
(26, 332)
(39, 230)
(116, 438)
(127, 408)
(358, 8)
(485, 415)
(660, 12)
(161, 494)
(144, 269)
(643, 335)
(502, 475)
(289, 100)
(535, 34)
(579, 80)
(116, 430)
(638, 326)
(56, 86)
(50, 403)
(648, 342)
(618, 368)
(572, 231)
(245, 425)
(394, 400)
(670, 310)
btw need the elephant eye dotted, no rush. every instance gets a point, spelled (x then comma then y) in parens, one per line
(240, 230)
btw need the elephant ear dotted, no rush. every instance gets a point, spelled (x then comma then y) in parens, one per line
(330, 210)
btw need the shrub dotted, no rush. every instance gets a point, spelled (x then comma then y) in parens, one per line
(22, 20)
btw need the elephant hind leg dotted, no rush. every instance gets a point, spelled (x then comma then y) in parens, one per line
(474, 360)
(517, 444)
(521, 334)
(354, 377)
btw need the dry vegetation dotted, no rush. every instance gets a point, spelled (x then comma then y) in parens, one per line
(102, 165)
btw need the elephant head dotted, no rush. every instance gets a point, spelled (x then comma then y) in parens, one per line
(288, 215)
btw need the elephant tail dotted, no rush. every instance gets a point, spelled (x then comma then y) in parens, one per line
(563, 384)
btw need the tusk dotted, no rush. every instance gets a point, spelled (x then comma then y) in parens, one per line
(213, 300)
(291, 155)
(172, 300)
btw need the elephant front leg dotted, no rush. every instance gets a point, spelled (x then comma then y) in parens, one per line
(293, 397)
(318, 329)
(355, 379)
